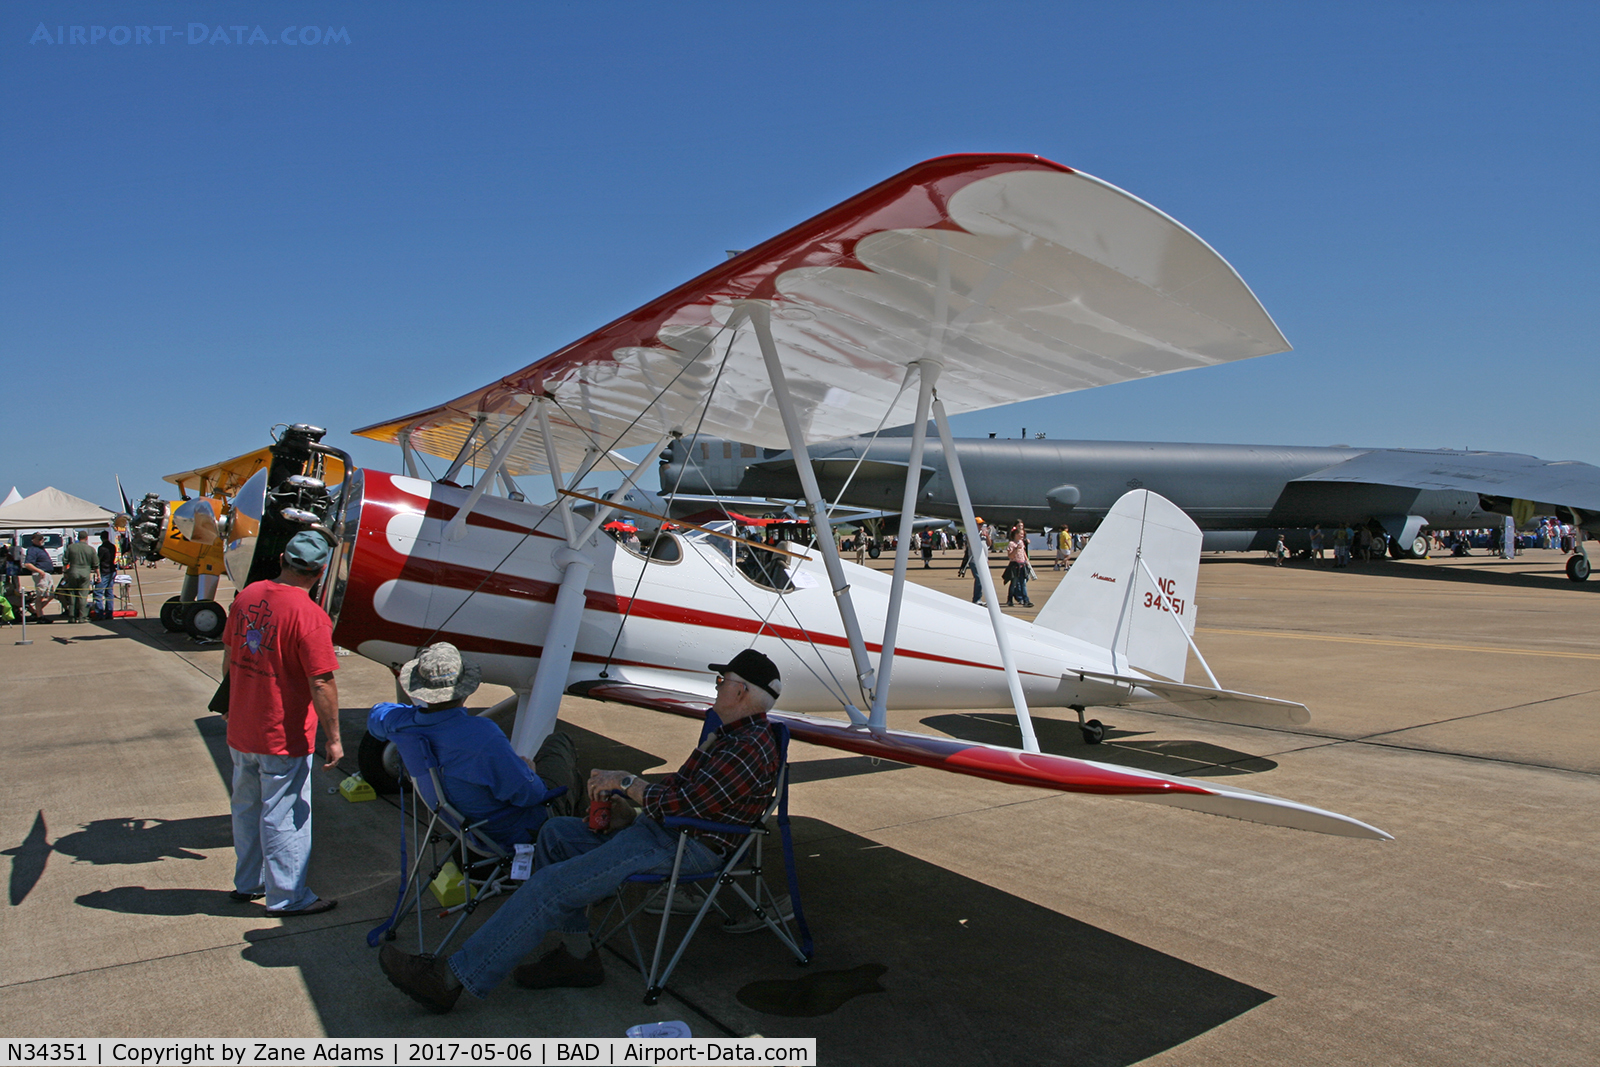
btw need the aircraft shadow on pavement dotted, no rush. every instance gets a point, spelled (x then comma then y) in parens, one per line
(961, 965)
(115, 841)
(1187, 758)
(1471, 570)
(912, 961)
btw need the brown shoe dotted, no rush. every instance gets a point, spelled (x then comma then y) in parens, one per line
(559, 969)
(425, 979)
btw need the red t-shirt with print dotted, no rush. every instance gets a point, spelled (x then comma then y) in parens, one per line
(278, 639)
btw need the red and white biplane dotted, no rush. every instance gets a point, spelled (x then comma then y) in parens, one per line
(962, 283)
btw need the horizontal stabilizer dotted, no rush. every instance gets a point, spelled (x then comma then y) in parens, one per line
(1042, 770)
(1217, 705)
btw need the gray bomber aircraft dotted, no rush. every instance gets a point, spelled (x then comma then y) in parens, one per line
(1240, 495)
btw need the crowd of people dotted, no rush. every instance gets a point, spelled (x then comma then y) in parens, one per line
(85, 589)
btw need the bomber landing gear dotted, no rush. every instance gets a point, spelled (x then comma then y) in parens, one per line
(1578, 568)
(1094, 731)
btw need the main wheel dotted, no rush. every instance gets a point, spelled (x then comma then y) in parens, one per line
(205, 619)
(874, 549)
(379, 762)
(1094, 731)
(1578, 568)
(172, 615)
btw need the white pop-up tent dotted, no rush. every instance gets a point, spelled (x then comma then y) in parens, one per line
(50, 508)
(11, 497)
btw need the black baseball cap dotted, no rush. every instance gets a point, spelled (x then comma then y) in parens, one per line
(754, 668)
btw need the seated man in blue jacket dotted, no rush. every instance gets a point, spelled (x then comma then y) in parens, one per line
(483, 777)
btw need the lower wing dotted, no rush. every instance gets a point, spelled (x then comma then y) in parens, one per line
(1040, 769)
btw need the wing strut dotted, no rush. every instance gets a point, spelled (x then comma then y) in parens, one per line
(537, 710)
(759, 315)
(980, 563)
(407, 455)
(927, 375)
(468, 446)
(457, 529)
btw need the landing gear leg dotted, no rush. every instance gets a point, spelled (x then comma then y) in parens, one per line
(1578, 562)
(1094, 731)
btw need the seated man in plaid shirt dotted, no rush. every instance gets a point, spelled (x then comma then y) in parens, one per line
(727, 779)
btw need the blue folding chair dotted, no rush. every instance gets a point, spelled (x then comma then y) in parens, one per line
(484, 863)
(740, 872)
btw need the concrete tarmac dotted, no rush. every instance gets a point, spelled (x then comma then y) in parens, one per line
(1455, 704)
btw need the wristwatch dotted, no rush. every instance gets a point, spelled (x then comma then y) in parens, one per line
(626, 783)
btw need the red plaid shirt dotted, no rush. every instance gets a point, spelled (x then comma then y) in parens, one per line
(729, 778)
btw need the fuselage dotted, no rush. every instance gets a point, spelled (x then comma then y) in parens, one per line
(404, 583)
(1074, 483)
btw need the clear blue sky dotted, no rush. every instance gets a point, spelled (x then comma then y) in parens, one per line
(203, 239)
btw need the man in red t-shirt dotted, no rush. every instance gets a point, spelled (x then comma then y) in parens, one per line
(279, 654)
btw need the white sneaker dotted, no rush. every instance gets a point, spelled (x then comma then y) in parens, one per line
(749, 923)
(684, 902)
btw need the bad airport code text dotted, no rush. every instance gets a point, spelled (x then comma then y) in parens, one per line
(241, 1053)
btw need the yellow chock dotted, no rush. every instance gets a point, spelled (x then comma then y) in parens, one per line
(356, 788)
(449, 888)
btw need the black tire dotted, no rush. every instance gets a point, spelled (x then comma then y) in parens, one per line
(874, 549)
(380, 769)
(205, 620)
(1094, 731)
(172, 616)
(1578, 568)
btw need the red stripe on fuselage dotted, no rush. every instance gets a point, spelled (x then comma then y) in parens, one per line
(493, 583)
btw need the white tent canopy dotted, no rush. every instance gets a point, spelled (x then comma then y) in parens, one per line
(11, 497)
(51, 507)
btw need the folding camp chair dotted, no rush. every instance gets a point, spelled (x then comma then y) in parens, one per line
(742, 867)
(449, 837)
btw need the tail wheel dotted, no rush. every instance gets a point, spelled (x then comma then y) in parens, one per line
(1578, 568)
(172, 615)
(205, 620)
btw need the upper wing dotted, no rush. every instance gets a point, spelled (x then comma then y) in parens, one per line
(1041, 769)
(227, 476)
(1508, 475)
(1023, 277)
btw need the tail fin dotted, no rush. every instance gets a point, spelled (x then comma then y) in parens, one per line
(1133, 586)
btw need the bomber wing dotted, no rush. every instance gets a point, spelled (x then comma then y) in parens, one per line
(1024, 278)
(1496, 475)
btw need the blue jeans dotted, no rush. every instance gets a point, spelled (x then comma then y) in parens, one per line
(272, 827)
(574, 867)
(104, 597)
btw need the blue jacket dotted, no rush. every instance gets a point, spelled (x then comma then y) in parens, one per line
(482, 776)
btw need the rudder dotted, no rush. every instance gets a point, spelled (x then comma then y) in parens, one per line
(1108, 599)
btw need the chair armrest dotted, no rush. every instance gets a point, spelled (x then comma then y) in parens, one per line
(558, 791)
